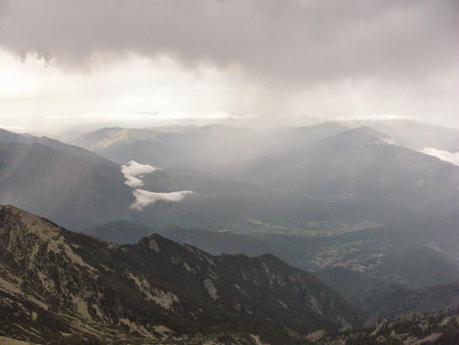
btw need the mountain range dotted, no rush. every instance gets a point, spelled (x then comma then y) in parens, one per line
(56, 284)
(375, 270)
(352, 175)
(207, 232)
(60, 287)
(63, 182)
(316, 178)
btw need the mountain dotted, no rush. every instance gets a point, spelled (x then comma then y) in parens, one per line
(413, 134)
(56, 284)
(64, 186)
(215, 149)
(361, 213)
(66, 183)
(383, 272)
(361, 265)
(358, 167)
(80, 189)
(7, 137)
(357, 173)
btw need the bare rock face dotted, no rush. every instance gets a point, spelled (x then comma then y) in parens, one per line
(55, 285)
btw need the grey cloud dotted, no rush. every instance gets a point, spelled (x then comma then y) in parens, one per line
(293, 41)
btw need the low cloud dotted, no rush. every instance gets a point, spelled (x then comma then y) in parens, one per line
(452, 157)
(144, 198)
(133, 172)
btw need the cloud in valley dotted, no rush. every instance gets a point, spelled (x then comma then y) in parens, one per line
(134, 172)
(452, 157)
(144, 198)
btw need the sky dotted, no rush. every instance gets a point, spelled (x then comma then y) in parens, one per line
(72, 65)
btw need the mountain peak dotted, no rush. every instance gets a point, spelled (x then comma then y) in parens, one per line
(362, 135)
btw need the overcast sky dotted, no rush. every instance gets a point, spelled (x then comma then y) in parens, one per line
(66, 64)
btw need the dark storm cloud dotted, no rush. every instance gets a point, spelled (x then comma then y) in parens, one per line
(293, 41)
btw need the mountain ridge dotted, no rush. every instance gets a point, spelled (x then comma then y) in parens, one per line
(97, 290)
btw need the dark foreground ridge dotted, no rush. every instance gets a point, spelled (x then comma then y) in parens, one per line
(57, 285)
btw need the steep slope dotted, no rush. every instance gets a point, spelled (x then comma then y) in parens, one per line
(54, 282)
(74, 189)
(383, 271)
(398, 301)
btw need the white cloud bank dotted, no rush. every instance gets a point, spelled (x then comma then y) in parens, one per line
(133, 172)
(144, 198)
(452, 157)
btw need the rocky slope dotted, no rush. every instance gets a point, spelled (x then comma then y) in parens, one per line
(411, 329)
(56, 284)
(380, 271)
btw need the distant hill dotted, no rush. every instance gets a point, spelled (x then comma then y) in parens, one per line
(210, 149)
(74, 189)
(81, 189)
(359, 169)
